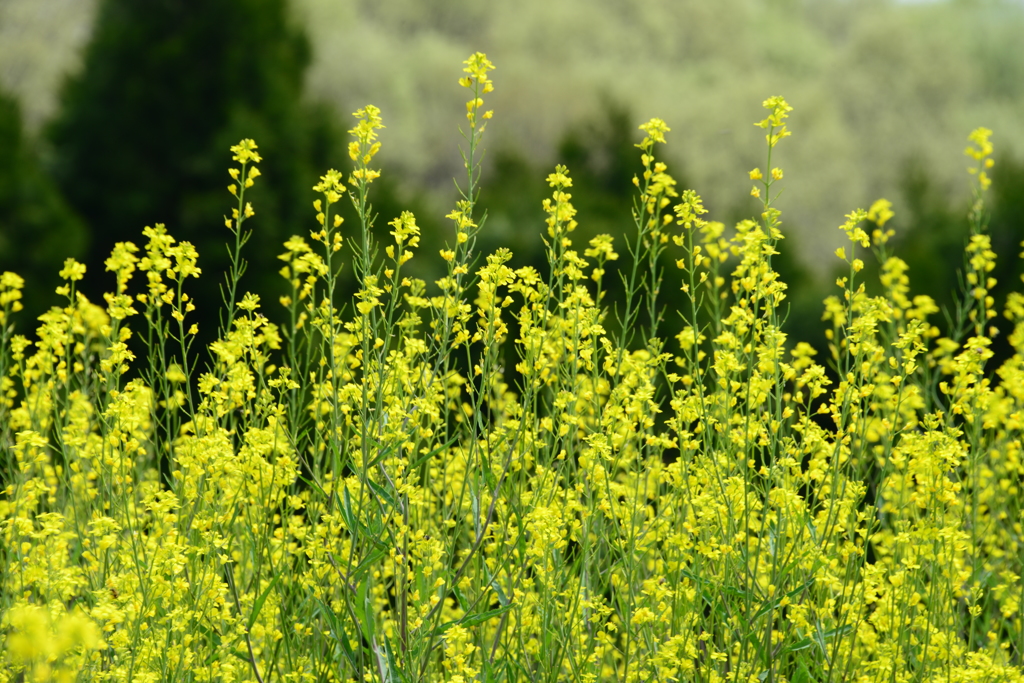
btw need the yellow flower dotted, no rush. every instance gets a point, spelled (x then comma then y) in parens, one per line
(601, 248)
(477, 66)
(245, 151)
(250, 302)
(775, 123)
(175, 374)
(982, 153)
(982, 145)
(365, 134)
(73, 270)
(880, 212)
(655, 130)
(11, 285)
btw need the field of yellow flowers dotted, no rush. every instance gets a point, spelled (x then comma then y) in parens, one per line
(474, 480)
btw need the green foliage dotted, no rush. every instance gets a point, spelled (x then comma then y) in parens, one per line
(601, 150)
(37, 229)
(932, 232)
(874, 82)
(166, 87)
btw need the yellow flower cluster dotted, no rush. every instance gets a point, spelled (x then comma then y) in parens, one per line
(477, 66)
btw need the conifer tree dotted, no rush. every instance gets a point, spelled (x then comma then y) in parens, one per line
(37, 229)
(166, 87)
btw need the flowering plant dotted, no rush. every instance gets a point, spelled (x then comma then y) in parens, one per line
(371, 493)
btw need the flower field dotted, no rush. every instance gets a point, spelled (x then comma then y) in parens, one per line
(503, 475)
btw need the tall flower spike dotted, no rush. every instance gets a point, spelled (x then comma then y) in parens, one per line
(245, 151)
(477, 67)
(981, 151)
(775, 124)
(365, 145)
(655, 130)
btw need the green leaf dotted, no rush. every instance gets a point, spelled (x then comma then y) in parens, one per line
(773, 603)
(801, 644)
(360, 571)
(381, 454)
(471, 619)
(258, 605)
(339, 634)
(346, 512)
(803, 674)
(477, 619)
(396, 674)
(503, 599)
(315, 485)
(423, 458)
(382, 493)
(463, 603)
(821, 637)
(475, 500)
(215, 641)
(364, 610)
(489, 478)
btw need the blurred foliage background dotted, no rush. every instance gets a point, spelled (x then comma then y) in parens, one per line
(117, 114)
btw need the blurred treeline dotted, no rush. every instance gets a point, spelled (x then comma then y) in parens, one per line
(140, 132)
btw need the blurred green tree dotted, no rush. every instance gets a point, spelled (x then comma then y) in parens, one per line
(167, 86)
(1006, 224)
(933, 233)
(37, 228)
(931, 237)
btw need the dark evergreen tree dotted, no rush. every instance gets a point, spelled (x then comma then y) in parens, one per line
(933, 233)
(167, 86)
(37, 228)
